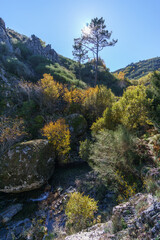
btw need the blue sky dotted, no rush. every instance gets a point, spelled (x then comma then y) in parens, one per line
(135, 23)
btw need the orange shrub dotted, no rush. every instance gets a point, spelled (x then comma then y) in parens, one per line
(74, 95)
(58, 135)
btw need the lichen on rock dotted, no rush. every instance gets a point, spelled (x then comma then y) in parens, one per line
(26, 166)
(77, 124)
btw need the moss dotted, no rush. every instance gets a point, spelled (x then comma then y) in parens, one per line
(25, 164)
(77, 123)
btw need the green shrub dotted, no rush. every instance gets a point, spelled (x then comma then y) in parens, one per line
(28, 108)
(3, 49)
(35, 60)
(80, 212)
(110, 119)
(153, 92)
(131, 111)
(25, 52)
(152, 186)
(118, 223)
(33, 122)
(68, 63)
(141, 206)
(96, 101)
(113, 155)
(60, 74)
(84, 150)
(14, 66)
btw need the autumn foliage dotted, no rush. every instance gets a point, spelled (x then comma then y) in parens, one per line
(131, 111)
(90, 102)
(11, 132)
(58, 135)
(80, 211)
(52, 89)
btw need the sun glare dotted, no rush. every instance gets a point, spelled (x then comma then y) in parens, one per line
(86, 30)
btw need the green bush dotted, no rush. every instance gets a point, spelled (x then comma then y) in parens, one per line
(153, 92)
(113, 155)
(33, 121)
(152, 186)
(28, 108)
(131, 111)
(118, 223)
(14, 66)
(36, 60)
(69, 64)
(3, 49)
(96, 101)
(84, 149)
(80, 212)
(60, 74)
(25, 52)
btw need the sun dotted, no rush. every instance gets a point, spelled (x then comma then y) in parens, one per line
(86, 30)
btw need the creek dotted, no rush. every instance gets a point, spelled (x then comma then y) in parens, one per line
(28, 211)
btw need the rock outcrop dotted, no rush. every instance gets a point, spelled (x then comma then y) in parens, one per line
(139, 218)
(96, 232)
(26, 166)
(4, 38)
(77, 124)
(9, 213)
(34, 44)
(37, 48)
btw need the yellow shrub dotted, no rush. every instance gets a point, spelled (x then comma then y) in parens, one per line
(134, 106)
(58, 135)
(131, 110)
(80, 211)
(120, 75)
(96, 101)
(52, 89)
(74, 95)
(125, 190)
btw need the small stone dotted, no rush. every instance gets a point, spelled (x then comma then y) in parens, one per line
(10, 212)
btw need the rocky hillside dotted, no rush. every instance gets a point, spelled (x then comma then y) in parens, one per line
(29, 58)
(71, 151)
(136, 219)
(141, 68)
(14, 42)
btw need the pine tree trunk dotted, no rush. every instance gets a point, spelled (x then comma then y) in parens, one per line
(96, 70)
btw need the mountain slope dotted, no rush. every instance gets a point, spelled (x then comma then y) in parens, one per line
(141, 68)
(29, 58)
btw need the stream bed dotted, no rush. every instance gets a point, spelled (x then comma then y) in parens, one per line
(43, 210)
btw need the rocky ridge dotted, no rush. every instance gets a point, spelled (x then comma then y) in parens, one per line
(4, 38)
(34, 44)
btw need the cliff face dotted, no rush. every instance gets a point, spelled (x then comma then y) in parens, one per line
(4, 38)
(34, 44)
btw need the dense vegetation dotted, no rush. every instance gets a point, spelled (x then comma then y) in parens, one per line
(141, 68)
(113, 126)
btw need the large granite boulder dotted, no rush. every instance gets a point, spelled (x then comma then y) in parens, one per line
(77, 124)
(26, 166)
